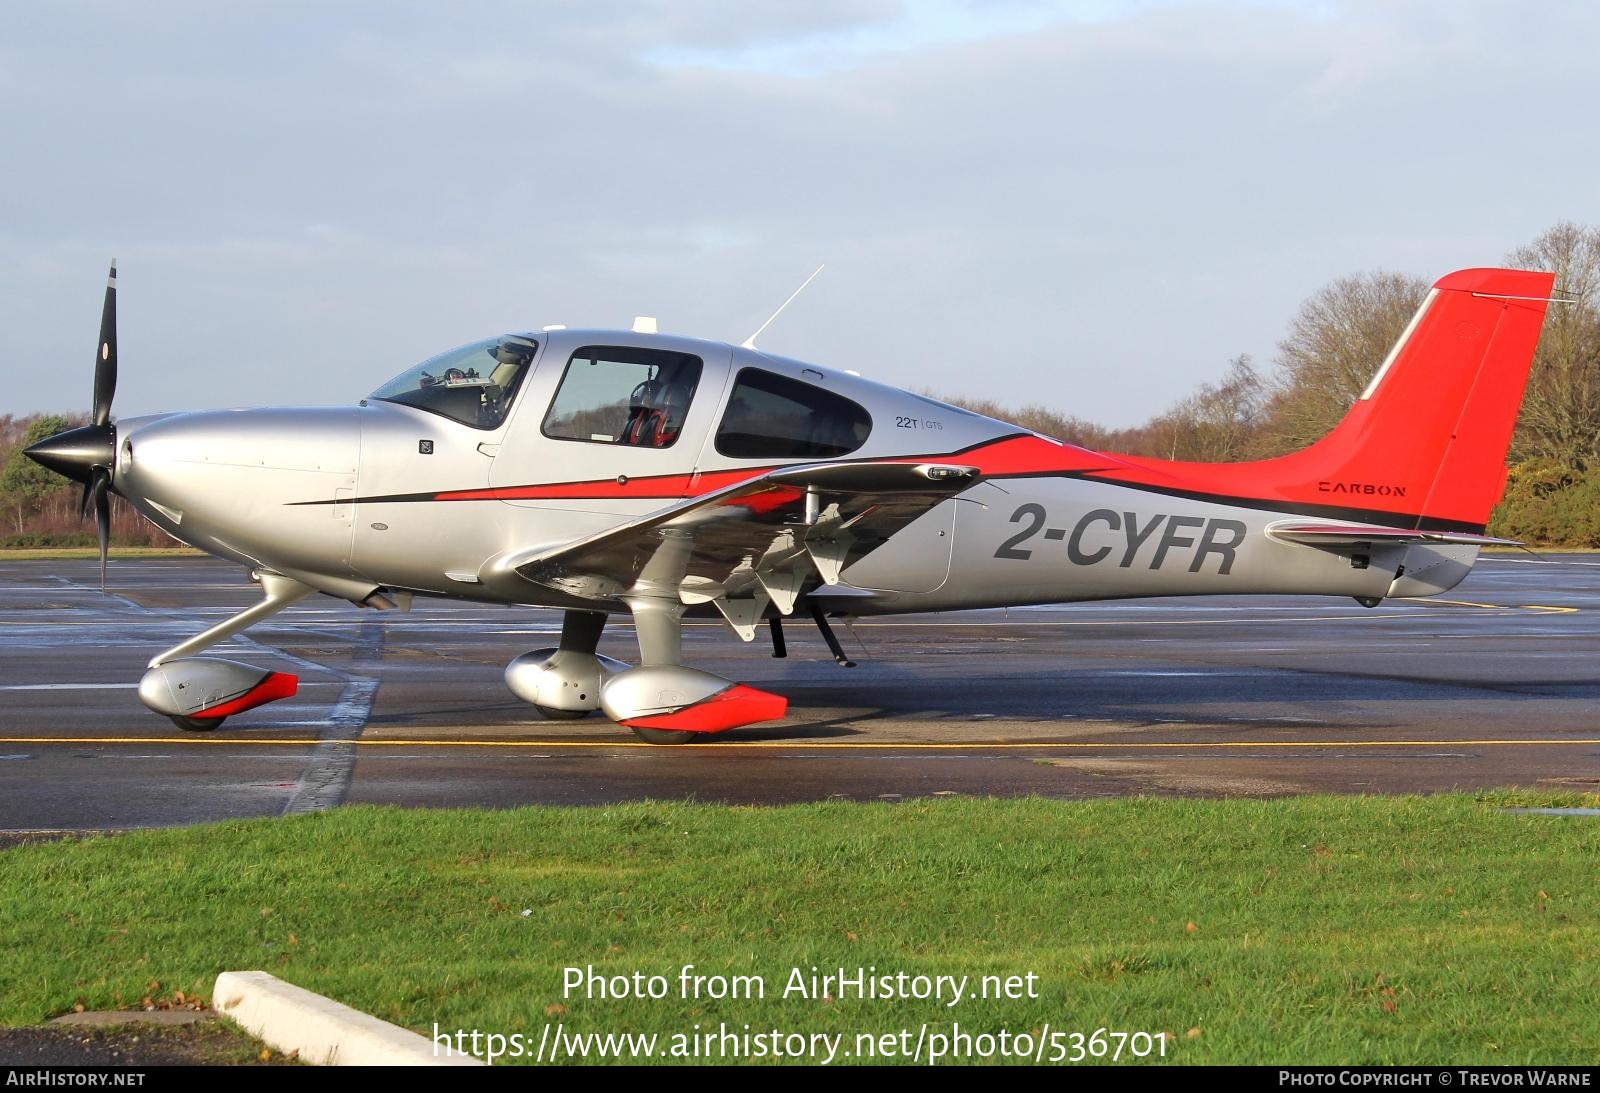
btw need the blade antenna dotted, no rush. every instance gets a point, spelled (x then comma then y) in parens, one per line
(750, 342)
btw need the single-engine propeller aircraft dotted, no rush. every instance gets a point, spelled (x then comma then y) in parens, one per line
(598, 472)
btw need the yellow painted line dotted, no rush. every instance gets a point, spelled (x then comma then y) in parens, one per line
(793, 745)
(1500, 606)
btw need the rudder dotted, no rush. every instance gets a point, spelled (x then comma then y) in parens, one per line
(1424, 446)
(1435, 422)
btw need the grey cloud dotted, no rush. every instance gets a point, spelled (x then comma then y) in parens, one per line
(1093, 213)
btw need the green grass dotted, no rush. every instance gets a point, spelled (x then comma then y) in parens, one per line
(1318, 929)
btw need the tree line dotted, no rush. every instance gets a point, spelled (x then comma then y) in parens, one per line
(1333, 345)
(39, 508)
(1330, 351)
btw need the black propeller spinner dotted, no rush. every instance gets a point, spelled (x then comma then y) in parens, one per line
(88, 453)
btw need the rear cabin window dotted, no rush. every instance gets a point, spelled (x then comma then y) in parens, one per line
(773, 417)
(614, 394)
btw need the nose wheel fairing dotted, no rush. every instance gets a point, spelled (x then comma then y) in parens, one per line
(200, 692)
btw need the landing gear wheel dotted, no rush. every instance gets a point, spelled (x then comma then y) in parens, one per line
(196, 724)
(667, 736)
(550, 713)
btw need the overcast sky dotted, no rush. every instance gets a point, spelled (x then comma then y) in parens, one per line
(1090, 205)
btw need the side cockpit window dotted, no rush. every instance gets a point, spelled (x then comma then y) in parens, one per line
(613, 394)
(773, 417)
(474, 385)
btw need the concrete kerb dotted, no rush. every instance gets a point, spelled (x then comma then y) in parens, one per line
(295, 1021)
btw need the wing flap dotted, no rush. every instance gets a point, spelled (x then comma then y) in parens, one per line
(756, 540)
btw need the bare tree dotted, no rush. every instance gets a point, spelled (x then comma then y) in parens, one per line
(1219, 422)
(1052, 423)
(1335, 343)
(1560, 417)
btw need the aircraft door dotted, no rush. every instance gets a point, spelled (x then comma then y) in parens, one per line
(428, 437)
(612, 424)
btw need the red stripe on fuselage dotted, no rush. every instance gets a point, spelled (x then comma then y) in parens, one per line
(1028, 454)
(1016, 456)
(1011, 455)
(653, 487)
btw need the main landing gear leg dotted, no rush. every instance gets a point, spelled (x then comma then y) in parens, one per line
(199, 693)
(663, 701)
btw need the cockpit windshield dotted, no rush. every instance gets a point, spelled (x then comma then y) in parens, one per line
(473, 384)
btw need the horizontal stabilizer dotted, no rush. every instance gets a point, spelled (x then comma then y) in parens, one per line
(1351, 534)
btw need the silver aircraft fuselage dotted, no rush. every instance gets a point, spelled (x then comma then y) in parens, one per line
(390, 496)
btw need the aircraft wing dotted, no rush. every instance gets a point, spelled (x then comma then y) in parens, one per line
(1333, 535)
(752, 543)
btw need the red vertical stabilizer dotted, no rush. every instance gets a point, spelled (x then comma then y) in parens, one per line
(1425, 445)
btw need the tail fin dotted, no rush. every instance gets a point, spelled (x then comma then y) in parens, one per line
(1425, 445)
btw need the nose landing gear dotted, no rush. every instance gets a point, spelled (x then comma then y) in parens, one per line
(199, 693)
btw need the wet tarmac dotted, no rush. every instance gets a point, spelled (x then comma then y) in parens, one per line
(1497, 685)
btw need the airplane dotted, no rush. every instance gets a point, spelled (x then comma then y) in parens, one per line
(608, 472)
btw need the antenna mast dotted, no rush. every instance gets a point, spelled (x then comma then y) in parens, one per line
(750, 342)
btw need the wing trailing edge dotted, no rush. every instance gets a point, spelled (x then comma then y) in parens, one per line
(759, 542)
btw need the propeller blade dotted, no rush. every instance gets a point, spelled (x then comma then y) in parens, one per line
(105, 358)
(102, 517)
